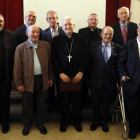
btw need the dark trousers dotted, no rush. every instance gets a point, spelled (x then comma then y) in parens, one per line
(73, 98)
(28, 99)
(101, 101)
(133, 108)
(4, 98)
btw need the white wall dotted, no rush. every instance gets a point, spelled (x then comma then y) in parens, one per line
(78, 9)
(135, 11)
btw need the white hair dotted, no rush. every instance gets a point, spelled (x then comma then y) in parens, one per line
(92, 14)
(125, 8)
(109, 27)
(67, 17)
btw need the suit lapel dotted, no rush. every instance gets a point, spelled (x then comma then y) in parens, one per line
(136, 50)
(99, 52)
(49, 35)
(120, 32)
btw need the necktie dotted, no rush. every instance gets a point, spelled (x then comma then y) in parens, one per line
(105, 54)
(124, 33)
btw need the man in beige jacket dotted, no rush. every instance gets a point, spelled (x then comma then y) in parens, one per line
(33, 75)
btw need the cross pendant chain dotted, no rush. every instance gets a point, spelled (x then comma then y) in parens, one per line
(69, 57)
(69, 51)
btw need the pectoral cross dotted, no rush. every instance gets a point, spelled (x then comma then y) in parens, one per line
(69, 57)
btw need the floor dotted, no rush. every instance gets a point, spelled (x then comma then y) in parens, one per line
(52, 124)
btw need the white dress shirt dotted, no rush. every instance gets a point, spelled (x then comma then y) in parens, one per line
(138, 46)
(54, 33)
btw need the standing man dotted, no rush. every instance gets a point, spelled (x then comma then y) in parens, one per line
(69, 59)
(91, 34)
(124, 30)
(33, 75)
(20, 32)
(8, 43)
(103, 56)
(129, 70)
(47, 35)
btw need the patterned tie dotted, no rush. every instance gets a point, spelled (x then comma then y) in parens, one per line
(124, 33)
(105, 54)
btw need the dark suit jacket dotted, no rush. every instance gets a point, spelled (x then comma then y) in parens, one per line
(59, 54)
(20, 33)
(85, 33)
(46, 34)
(99, 72)
(131, 32)
(129, 65)
(10, 43)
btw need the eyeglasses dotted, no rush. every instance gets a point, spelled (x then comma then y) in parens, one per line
(1, 21)
(67, 24)
(91, 19)
(31, 16)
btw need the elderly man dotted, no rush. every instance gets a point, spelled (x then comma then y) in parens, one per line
(8, 43)
(124, 30)
(129, 70)
(33, 75)
(69, 59)
(47, 35)
(20, 32)
(91, 34)
(103, 56)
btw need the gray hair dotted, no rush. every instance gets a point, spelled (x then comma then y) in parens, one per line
(49, 12)
(109, 27)
(2, 16)
(92, 14)
(67, 17)
(125, 8)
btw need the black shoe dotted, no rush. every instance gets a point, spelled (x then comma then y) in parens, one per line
(42, 129)
(132, 134)
(50, 110)
(93, 127)
(5, 127)
(25, 131)
(105, 127)
(63, 128)
(78, 127)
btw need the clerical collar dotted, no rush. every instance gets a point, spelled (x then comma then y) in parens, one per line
(92, 29)
(53, 29)
(69, 36)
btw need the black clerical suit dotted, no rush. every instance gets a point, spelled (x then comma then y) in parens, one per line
(8, 43)
(20, 33)
(61, 64)
(131, 32)
(89, 37)
(102, 79)
(51, 101)
(129, 65)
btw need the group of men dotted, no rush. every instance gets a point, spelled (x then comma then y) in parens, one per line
(94, 58)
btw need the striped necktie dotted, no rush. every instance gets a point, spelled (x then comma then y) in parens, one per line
(124, 33)
(105, 54)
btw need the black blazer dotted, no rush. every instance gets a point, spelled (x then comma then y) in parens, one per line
(129, 65)
(10, 43)
(46, 34)
(98, 71)
(59, 54)
(20, 33)
(131, 32)
(85, 33)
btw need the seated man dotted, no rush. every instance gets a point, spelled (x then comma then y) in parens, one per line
(69, 59)
(33, 75)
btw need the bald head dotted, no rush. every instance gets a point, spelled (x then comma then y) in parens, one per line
(30, 18)
(33, 33)
(107, 34)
